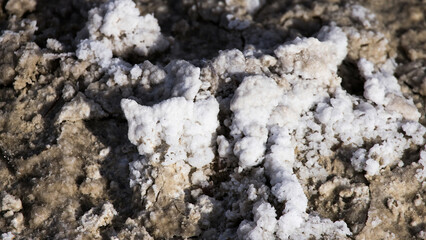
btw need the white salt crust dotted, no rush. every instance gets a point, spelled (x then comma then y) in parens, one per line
(273, 116)
(278, 122)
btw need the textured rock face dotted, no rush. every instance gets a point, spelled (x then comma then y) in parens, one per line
(212, 120)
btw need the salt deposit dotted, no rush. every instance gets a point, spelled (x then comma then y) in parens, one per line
(209, 120)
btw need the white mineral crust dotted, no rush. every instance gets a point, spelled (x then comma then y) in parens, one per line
(119, 26)
(181, 127)
(278, 122)
(261, 114)
(117, 30)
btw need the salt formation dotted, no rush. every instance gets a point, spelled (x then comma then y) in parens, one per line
(91, 222)
(183, 128)
(261, 109)
(239, 16)
(175, 137)
(421, 173)
(80, 108)
(310, 67)
(278, 122)
(118, 26)
(260, 141)
(117, 29)
(250, 6)
(11, 206)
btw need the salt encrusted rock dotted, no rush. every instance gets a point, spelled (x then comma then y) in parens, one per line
(312, 58)
(264, 224)
(116, 30)
(304, 58)
(366, 123)
(182, 128)
(80, 108)
(148, 74)
(17, 223)
(8, 236)
(94, 52)
(229, 62)
(174, 136)
(150, 128)
(10, 203)
(399, 104)
(285, 185)
(421, 173)
(29, 57)
(251, 117)
(382, 88)
(90, 222)
(317, 228)
(362, 15)
(310, 66)
(249, 6)
(54, 45)
(132, 230)
(120, 28)
(311, 78)
(416, 131)
(286, 125)
(238, 14)
(11, 41)
(68, 92)
(183, 79)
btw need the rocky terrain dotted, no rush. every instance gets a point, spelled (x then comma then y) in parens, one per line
(202, 119)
